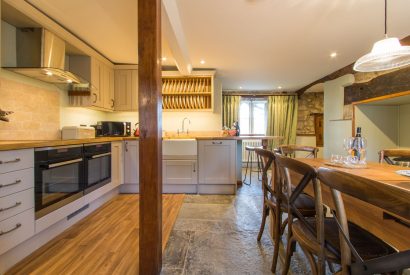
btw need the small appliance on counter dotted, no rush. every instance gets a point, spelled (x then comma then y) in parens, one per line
(77, 132)
(113, 129)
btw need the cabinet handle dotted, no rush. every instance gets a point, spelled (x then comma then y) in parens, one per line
(194, 167)
(10, 207)
(112, 105)
(8, 184)
(217, 142)
(10, 161)
(11, 230)
(126, 146)
(95, 98)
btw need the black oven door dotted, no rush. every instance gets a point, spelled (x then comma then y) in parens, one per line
(58, 178)
(97, 166)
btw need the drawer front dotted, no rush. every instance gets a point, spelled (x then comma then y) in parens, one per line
(16, 230)
(219, 142)
(16, 160)
(16, 203)
(16, 181)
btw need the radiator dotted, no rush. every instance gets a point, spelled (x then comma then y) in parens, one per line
(250, 142)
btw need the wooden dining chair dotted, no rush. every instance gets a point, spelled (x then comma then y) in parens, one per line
(392, 156)
(293, 171)
(273, 197)
(357, 250)
(290, 150)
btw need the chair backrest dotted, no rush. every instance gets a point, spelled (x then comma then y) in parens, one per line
(266, 158)
(387, 155)
(373, 192)
(290, 150)
(307, 174)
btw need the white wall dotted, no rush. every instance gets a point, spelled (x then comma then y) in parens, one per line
(335, 129)
(380, 126)
(404, 129)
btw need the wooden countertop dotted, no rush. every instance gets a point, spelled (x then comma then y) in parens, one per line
(26, 144)
(238, 137)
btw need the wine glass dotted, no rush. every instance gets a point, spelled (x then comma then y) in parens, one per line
(348, 145)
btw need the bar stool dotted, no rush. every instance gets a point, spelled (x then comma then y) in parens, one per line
(251, 151)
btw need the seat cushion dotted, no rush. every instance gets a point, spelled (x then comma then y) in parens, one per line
(367, 245)
(304, 203)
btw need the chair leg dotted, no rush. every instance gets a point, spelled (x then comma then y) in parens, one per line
(277, 238)
(290, 248)
(265, 214)
(250, 170)
(259, 168)
(312, 261)
(284, 224)
(246, 171)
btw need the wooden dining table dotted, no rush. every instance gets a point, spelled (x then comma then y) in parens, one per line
(388, 224)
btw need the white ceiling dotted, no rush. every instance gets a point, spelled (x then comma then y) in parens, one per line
(255, 44)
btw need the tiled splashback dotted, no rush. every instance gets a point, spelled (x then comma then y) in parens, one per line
(36, 111)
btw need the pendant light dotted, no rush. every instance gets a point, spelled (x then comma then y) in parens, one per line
(386, 54)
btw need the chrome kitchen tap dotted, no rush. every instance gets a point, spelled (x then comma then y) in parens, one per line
(183, 125)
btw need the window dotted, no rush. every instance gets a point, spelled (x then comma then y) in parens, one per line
(253, 116)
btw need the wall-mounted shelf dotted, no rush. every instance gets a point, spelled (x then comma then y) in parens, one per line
(187, 92)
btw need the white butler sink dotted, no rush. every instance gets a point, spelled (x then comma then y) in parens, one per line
(179, 147)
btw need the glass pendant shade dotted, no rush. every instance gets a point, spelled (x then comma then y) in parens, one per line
(386, 54)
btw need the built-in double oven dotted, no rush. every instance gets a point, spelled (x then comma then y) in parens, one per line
(64, 174)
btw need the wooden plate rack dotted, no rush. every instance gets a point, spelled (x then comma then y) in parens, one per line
(187, 93)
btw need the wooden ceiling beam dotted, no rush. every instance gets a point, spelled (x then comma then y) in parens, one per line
(345, 70)
(174, 34)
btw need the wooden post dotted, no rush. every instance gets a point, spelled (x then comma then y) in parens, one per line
(150, 152)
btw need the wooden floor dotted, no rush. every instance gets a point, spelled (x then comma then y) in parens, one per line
(106, 242)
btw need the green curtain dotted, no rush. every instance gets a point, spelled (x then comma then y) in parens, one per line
(230, 109)
(282, 118)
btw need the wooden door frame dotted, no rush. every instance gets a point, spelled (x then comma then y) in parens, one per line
(150, 119)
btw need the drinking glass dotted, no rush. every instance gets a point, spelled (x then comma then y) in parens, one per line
(348, 145)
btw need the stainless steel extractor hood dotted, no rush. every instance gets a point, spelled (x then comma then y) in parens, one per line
(41, 55)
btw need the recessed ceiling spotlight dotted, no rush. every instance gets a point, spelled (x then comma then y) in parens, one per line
(164, 59)
(202, 61)
(69, 81)
(333, 54)
(240, 87)
(279, 87)
(49, 73)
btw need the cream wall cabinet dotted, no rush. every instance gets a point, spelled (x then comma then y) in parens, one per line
(101, 79)
(126, 90)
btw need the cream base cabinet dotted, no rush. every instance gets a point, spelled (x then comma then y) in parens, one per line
(117, 163)
(179, 176)
(126, 90)
(217, 166)
(131, 167)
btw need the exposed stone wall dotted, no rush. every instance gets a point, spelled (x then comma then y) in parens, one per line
(308, 103)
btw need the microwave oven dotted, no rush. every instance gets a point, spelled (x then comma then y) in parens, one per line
(112, 129)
